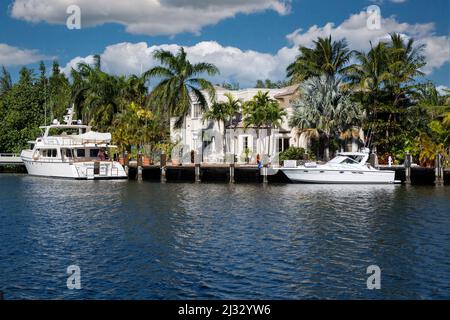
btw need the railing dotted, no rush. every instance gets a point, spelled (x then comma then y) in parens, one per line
(10, 158)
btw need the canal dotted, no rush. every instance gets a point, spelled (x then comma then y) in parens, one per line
(147, 240)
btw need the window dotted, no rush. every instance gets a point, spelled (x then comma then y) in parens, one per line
(93, 153)
(68, 153)
(283, 144)
(49, 153)
(81, 153)
(196, 111)
(245, 143)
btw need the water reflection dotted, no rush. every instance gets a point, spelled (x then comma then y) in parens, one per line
(169, 241)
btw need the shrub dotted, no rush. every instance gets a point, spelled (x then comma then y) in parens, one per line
(293, 153)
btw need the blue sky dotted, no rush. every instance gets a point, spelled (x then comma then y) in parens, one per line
(248, 40)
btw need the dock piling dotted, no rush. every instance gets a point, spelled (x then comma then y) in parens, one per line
(139, 173)
(265, 180)
(439, 170)
(408, 162)
(197, 173)
(163, 175)
(232, 173)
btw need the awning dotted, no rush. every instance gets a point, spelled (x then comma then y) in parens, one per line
(95, 137)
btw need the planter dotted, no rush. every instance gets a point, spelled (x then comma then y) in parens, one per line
(147, 161)
(122, 161)
(176, 162)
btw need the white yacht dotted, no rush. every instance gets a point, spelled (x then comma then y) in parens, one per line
(72, 150)
(345, 168)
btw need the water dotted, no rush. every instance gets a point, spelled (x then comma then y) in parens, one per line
(217, 241)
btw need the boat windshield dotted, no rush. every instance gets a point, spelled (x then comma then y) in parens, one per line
(344, 160)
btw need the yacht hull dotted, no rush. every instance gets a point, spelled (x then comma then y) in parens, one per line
(80, 171)
(322, 176)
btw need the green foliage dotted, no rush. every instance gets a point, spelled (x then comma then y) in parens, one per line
(325, 111)
(180, 81)
(327, 57)
(293, 153)
(21, 113)
(269, 84)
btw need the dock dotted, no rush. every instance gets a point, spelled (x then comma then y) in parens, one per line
(252, 174)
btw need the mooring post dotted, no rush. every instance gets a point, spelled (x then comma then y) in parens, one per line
(139, 173)
(197, 173)
(439, 170)
(163, 175)
(408, 162)
(265, 180)
(232, 173)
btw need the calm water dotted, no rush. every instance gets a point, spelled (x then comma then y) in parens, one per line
(215, 241)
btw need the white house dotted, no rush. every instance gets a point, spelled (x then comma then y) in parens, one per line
(204, 139)
(201, 141)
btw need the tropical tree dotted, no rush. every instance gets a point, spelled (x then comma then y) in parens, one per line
(223, 112)
(180, 84)
(5, 81)
(136, 126)
(21, 112)
(326, 111)
(326, 57)
(263, 112)
(384, 81)
(96, 94)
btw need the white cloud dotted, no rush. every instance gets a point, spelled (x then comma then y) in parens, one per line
(248, 66)
(10, 55)
(152, 17)
(355, 30)
(443, 90)
(235, 64)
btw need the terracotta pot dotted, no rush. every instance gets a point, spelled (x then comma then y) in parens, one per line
(122, 161)
(175, 162)
(146, 161)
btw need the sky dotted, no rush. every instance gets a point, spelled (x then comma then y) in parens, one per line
(246, 39)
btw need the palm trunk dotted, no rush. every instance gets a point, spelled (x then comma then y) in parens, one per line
(326, 153)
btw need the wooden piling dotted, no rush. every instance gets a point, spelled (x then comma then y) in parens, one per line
(197, 173)
(408, 162)
(163, 175)
(439, 170)
(139, 173)
(265, 179)
(232, 173)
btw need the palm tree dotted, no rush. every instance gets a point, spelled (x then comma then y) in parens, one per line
(222, 113)
(263, 112)
(327, 57)
(383, 79)
(96, 94)
(325, 111)
(180, 85)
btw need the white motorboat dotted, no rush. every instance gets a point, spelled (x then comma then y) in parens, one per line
(345, 168)
(72, 150)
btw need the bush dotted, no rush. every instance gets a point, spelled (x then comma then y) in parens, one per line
(293, 153)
